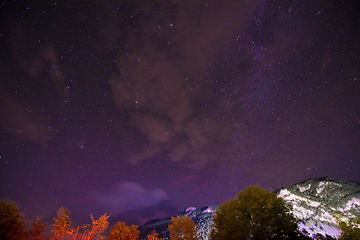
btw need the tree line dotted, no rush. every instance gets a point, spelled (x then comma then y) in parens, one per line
(253, 214)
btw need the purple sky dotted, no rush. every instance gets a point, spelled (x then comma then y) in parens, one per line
(140, 110)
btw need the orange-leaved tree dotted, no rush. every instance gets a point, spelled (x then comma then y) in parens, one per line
(182, 228)
(11, 223)
(123, 232)
(38, 228)
(153, 236)
(61, 227)
(97, 227)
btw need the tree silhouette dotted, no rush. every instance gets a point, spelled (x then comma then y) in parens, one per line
(182, 228)
(254, 214)
(11, 223)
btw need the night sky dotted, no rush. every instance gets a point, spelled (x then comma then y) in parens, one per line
(140, 110)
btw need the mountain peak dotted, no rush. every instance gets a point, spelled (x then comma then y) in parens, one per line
(333, 191)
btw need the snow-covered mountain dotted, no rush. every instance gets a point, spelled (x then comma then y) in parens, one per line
(314, 202)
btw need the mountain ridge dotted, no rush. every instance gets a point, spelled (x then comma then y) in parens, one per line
(314, 201)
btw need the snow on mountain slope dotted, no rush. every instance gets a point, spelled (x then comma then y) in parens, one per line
(201, 216)
(314, 202)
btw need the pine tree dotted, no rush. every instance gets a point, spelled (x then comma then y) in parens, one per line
(61, 227)
(38, 228)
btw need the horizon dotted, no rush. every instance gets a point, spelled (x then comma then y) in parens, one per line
(115, 219)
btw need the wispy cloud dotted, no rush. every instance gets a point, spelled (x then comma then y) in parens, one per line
(128, 196)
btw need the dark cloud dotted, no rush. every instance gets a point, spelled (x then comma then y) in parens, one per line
(36, 57)
(162, 82)
(22, 121)
(38, 66)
